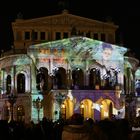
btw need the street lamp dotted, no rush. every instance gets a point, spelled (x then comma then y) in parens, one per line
(12, 99)
(37, 103)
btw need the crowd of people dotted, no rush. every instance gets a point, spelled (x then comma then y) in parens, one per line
(74, 128)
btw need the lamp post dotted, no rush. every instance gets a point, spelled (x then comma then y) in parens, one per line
(12, 99)
(37, 103)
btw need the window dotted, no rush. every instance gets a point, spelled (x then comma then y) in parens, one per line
(42, 79)
(27, 36)
(65, 35)
(73, 31)
(88, 34)
(18, 35)
(42, 35)
(102, 37)
(8, 84)
(58, 35)
(35, 35)
(21, 83)
(95, 36)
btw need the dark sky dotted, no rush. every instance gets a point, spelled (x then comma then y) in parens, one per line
(126, 15)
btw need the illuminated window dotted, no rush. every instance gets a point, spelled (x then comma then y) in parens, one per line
(21, 83)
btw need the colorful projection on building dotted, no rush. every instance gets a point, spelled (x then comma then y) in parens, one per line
(83, 52)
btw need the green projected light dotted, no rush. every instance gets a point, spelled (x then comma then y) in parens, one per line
(80, 52)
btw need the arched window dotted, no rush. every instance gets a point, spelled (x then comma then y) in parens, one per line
(60, 78)
(92, 78)
(98, 77)
(78, 78)
(21, 83)
(42, 79)
(8, 84)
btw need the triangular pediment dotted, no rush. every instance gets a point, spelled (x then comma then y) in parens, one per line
(63, 19)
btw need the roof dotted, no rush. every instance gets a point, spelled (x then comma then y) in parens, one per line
(64, 17)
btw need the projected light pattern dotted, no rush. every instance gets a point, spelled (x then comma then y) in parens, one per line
(78, 51)
(79, 54)
(35, 112)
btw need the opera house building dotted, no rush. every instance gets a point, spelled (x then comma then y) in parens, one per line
(64, 64)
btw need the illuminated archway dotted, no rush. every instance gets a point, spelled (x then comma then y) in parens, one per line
(106, 108)
(87, 108)
(69, 107)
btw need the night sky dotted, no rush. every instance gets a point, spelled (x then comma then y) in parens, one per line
(126, 15)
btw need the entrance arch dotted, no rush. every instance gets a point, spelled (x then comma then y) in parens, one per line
(106, 108)
(87, 108)
(69, 108)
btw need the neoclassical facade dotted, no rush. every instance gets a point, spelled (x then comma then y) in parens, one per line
(74, 72)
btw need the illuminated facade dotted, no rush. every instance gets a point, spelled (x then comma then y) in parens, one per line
(75, 74)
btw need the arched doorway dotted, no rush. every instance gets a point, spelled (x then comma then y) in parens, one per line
(86, 108)
(20, 113)
(106, 108)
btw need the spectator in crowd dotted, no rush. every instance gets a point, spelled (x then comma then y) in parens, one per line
(76, 130)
